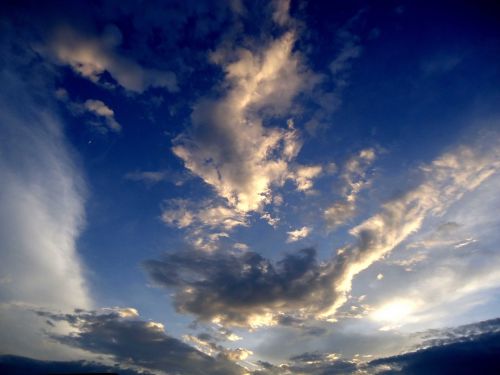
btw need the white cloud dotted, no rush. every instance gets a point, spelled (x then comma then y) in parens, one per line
(303, 176)
(298, 234)
(228, 146)
(92, 56)
(41, 215)
(446, 180)
(100, 109)
(354, 179)
(206, 222)
(183, 214)
(103, 116)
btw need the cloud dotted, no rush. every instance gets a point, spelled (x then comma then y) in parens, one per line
(15, 365)
(465, 354)
(298, 234)
(205, 222)
(310, 364)
(154, 177)
(248, 290)
(103, 117)
(354, 178)
(244, 289)
(229, 145)
(207, 344)
(41, 212)
(92, 56)
(182, 214)
(303, 176)
(445, 181)
(281, 14)
(134, 342)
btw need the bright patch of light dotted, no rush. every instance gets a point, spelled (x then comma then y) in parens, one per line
(395, 312)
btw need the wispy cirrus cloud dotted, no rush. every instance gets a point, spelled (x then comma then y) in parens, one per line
(354, 178)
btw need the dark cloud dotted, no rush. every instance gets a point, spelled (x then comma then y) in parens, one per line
(468, 349)
(309, 364)
(139, 343)
(14, 365)
(239, 288)
(473, 355)
(439, 337)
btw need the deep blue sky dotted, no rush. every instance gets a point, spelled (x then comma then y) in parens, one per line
(249, 184)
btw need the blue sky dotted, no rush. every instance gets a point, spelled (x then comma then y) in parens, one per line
(262, 187)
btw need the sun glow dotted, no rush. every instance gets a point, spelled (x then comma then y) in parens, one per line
(395, 312)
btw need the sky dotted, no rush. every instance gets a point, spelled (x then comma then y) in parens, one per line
(249, 187)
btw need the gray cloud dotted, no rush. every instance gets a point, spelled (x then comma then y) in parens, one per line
(131, 341)
(245, 288)
(468, 354)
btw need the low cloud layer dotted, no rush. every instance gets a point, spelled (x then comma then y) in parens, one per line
(144, 344)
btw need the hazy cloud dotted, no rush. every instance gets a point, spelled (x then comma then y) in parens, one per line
(41, 211)
(354, 178)
(92, 56)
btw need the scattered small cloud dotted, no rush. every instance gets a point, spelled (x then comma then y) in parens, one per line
(298, 234)
(102, 117)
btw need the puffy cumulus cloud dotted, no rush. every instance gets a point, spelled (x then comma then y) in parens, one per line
(229, 146)
(354, 178)
(92, 56)
(298, 234)
(246, 289)
(303, 176)
(133, 342)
